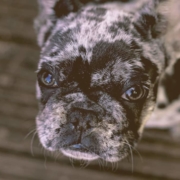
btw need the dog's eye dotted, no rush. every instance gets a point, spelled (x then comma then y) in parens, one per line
(135, 93)
(48, 80)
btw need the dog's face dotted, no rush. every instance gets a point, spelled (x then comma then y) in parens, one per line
(96, 79)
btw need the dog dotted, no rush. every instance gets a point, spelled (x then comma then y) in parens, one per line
(98, 75)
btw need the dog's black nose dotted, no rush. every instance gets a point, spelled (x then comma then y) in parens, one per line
(81, 120)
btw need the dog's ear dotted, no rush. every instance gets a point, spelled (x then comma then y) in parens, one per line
(169, 83)
(49, 12)
(64, 7)
(150, 21)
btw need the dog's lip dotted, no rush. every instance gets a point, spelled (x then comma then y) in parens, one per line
(78, 147)
(79, 151)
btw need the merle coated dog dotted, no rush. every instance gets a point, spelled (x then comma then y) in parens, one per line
(97, 75)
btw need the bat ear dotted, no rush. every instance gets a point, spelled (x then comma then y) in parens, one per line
(64, 7)
(170, 83)
(149, 21)
(49, 12)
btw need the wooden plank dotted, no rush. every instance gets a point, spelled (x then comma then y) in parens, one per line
(17, 80)
(160, 150)
(17, 123)
(9, 82)
(18, 111)
(152, 166)
(21, 4)
(17, 31)
(17, 24)
(29, 168)
(8, 177)
(19, 36)
(25, 15)
(21, 98)
(14, 56)
(19, 19)
(18, 65)
(160, 135)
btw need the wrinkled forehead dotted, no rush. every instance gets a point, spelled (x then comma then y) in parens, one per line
(83, 32)
(100, 38)
(108, 62)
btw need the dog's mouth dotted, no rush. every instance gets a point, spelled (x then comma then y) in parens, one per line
(79, 151)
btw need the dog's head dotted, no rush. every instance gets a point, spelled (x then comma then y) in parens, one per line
(96, 80)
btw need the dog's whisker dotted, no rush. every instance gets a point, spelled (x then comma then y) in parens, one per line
(82, 163)
(131, 153)
(87, 163)
(113, 166)
(101, 163)
(139, 155)
(56, 155)
(32, 141)
(29, 133)
(45, 158)
(71, 161)
(116, 166)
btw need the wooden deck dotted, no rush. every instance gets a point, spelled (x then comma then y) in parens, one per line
(21, 155)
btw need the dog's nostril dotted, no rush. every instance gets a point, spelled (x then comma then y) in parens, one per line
(75, 124)
(72, 126)
(161, 105)
(57, 130)
(88, 126)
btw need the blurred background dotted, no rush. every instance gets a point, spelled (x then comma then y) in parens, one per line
(21, 156)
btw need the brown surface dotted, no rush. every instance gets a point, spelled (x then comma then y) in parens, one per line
(20, 159)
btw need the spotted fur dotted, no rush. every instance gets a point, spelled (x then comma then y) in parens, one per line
(95, 53)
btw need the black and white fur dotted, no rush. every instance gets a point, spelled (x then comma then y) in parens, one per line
(96, 51)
